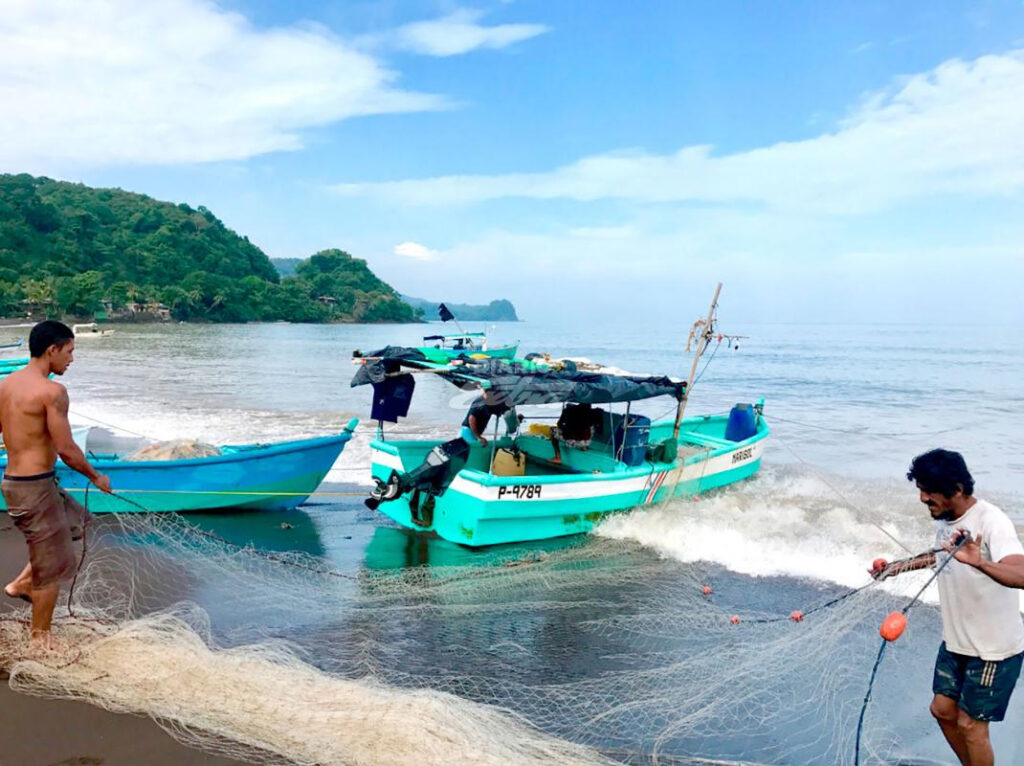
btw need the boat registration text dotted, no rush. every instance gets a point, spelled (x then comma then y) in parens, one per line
(520, 491)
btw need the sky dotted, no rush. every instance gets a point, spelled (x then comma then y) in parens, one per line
(828, 162)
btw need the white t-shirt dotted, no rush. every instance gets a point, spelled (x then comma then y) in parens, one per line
(980, 617)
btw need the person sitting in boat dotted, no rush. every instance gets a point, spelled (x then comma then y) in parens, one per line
(479, 415)
(575, 427)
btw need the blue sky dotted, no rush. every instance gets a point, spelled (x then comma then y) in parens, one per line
(827, 161)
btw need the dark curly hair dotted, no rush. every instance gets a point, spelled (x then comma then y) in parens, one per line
(941, 471)
(48, 333)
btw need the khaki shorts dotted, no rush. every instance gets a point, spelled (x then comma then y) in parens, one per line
(50, 519)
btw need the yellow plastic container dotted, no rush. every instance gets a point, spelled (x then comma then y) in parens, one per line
(507, 463)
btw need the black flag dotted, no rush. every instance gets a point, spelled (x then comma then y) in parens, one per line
(444, 313)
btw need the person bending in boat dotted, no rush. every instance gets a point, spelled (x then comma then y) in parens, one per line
(474, 425)
(980, 656)
(444, 461)
(35, 429)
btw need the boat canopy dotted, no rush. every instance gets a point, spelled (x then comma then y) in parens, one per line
(521, 381)
(456, 336)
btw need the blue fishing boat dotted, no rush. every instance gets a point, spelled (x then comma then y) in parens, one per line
(263, 477)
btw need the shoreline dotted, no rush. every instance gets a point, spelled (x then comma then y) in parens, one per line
(88, 735)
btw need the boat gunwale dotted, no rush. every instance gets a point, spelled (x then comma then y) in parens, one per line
(244, 452)
(486, 479)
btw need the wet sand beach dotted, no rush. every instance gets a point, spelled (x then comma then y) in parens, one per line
(40, 732)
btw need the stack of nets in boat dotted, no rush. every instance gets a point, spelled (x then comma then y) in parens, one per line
(176, 449)
(593, 650)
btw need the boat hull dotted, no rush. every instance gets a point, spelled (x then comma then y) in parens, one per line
(253, 477)
(443, 355)
(480, 509)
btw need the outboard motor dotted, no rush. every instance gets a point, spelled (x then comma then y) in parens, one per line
(431, 477)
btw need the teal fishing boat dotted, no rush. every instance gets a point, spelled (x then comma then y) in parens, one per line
(7, 366)
(540, 481)
(473, 344)
(264, 477)
(441, 348)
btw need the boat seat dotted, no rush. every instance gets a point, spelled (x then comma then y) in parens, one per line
(703, 440)
(574, 460)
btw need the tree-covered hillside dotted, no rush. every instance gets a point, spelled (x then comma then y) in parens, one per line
(71, 250)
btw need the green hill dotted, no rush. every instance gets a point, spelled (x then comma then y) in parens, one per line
(71, 250)
(495, 311)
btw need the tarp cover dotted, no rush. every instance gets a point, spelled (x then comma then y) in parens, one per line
(525, 383)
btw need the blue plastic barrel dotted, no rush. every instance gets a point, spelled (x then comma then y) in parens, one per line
(742, 423)
(634, 441)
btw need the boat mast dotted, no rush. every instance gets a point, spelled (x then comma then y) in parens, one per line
(703, 339)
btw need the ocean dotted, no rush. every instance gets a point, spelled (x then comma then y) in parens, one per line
(849, 407)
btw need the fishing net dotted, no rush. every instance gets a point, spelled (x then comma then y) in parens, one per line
(404, 650)
(176, 449)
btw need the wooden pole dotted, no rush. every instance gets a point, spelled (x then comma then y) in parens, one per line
(702, 342)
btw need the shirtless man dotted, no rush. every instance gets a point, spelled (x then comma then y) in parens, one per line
(35, 429)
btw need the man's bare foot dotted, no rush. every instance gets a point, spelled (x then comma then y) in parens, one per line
(43, 643)
(13, 590)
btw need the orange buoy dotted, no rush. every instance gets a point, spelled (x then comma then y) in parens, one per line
(735, 619)
(879, 564)
(893, 626)
(707, 590)
(797, 616)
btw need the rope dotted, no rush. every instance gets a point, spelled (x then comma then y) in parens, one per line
(865, 432)
(81, 561)
(227, 492)
(110, 425)
(819, 608)
(881, 650)
(842, 497)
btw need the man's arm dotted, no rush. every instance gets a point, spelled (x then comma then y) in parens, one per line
(474, 426)
(60, 431)
(1008, 571)
(882, 569)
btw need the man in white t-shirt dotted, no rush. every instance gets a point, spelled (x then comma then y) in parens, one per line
(980, 657)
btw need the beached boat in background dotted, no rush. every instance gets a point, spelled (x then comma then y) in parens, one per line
(262, 477)
(534, 484)
(11, 347)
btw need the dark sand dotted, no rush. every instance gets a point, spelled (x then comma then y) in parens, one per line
(41, 732)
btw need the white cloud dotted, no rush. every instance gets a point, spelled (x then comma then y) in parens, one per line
(953, 130)
(459, 32)
(416, 251)
(172, 81)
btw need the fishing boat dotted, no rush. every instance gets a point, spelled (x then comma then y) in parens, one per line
(442, 348)
(7, 348)
(534, 483)
(446, 347)
(90, 330)
(7, 366)
(265, 477)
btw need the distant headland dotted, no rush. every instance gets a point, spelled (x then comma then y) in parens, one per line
(70, 251)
